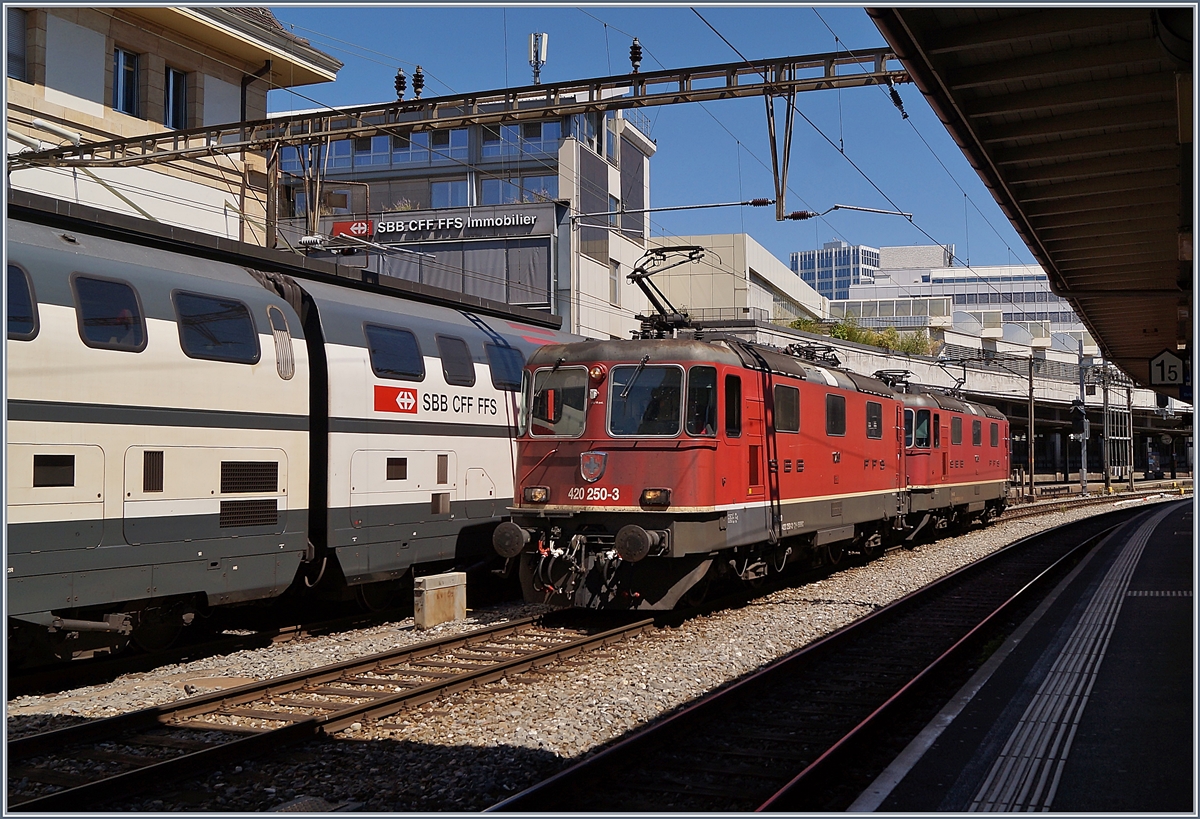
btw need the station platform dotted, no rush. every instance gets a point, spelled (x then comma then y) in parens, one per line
(1088, 708)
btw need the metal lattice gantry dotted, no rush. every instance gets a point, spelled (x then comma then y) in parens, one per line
(782, 76)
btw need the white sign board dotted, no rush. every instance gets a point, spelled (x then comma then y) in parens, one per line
(1166, 369)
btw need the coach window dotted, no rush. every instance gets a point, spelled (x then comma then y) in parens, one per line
(976, 433)
(558, 403)
(835, 414)
(394, 353)
(733, 406)
(921, 430)
(457, 365)
(216, 328)
(22, 306)
(787, 409)
(955, 430)
(645, 400)
(702, 401)
(874, 419)
(995, 435)
(109, 314)
(506, 364)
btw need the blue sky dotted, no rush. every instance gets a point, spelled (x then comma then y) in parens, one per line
(707, 152)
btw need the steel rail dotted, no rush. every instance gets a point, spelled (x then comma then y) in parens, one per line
(86, 796)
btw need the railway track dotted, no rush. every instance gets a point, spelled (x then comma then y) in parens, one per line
(77, 768)
(800, 734)
(1034, 508)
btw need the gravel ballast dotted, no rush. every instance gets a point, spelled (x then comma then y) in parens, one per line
(472, 749)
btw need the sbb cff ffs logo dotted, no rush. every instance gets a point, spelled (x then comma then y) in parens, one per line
(361, 228)
(395, 399)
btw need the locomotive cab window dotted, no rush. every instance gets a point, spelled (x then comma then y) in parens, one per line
(457, 365)
(645, 400)
(558, 403)
(874, 419)
(920, 429)
(394, 353)
(506, 364)
(955, 430)
(976, 433)
(216, 328)
(22, 305)
(995, 435)
(702, 401)
(835, 414)
(109, 314)
(787, 409)
(937, 431)
(733, 406)
(908, 428)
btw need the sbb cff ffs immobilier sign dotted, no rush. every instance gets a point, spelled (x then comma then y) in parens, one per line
(359, 229)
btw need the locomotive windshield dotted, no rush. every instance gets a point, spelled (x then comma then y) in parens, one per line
(916, 428)
(645, 400)
(559, 401)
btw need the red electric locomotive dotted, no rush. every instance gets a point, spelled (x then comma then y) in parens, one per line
(956, 460)
(648, 467)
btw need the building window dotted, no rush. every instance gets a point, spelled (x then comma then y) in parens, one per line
(451, 144)
(451, 193)
(610, 137)
(376, 150)
(614, 282)
(614, 206)
(339, 154)
(175, 106)
(499, 192)
(17, 68)
(411, 148)
(125, 82)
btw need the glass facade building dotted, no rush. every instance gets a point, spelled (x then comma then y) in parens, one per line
(837, 266)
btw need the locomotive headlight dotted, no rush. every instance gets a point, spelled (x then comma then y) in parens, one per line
(597, 372)
(656, 497)
(536, 494)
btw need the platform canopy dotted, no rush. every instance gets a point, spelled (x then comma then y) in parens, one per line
(1079, 121)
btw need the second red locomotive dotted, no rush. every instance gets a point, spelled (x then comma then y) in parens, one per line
(647, 467)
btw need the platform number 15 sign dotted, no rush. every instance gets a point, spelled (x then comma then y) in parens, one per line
(1166, 368)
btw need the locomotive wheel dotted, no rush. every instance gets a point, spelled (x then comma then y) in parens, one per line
(872, 546)
(834, 552)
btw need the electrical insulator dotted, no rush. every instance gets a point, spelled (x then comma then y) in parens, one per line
(635, 54)
(799, 215)
(896, 101)
(418, 82)
(761, 203)
(401, 83)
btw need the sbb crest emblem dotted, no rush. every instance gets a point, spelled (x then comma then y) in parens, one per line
(591, 465)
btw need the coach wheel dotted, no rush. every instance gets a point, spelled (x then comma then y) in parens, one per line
(157, 629)
(376, 597)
